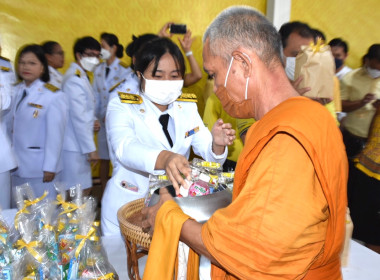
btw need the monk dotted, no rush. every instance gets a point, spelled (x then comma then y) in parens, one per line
(287, 216)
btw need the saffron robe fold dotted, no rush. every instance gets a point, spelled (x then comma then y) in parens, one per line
(287, 217)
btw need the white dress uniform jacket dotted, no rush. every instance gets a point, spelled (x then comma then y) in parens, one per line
(7, 70)
(136, 138)
(55, 77)
(38, 128)
(79, 134)
(102, 85)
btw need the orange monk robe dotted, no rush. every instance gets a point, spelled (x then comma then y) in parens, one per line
(287, 217)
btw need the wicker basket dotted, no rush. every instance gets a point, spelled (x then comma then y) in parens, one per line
(137, 242)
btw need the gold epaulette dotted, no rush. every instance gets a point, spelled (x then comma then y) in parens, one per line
(129, 98)
(4, 58)
(123, 64)
(77, 73)
(116, 85)
(188, 97)
(5, 69)
(51, 87)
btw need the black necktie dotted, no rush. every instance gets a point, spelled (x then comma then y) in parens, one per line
(22, 97)
(107, 71)
(164, 119)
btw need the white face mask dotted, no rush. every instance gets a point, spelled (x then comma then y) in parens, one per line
(247, 80)
(89, 63)
(290, 67)
(105, 54)
(374, 73)
(162, 92)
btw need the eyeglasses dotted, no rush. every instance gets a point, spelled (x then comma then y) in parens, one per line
(91, 54)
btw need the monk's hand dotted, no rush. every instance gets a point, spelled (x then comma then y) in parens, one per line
(296, 85)
(149, 213)
(48, 176)
(222, 135)
(177, 168)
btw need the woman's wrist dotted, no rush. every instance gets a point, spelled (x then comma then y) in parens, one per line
(189, 53)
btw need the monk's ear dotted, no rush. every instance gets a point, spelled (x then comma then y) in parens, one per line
(245, 60)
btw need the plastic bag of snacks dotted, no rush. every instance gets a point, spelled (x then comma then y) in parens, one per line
(5, 250)
(156, 182)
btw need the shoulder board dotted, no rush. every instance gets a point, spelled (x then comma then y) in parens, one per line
(188, 97)
(129, 98)
(5, 69)
(4, 58)
(51, 87)
(123, 64)
(77, 73)
(116, 85)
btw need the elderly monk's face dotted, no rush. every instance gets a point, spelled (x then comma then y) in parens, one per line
(217, 68)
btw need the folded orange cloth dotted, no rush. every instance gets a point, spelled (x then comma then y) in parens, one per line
(287, 217)
(163, 248)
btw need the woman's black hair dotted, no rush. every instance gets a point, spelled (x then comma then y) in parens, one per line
(38, 51)
(84, 43)
(137, 42)
(374, 52)
(153, 50)
(48, 46)
(112, 40)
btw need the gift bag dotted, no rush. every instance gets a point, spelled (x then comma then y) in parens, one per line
(316, 64)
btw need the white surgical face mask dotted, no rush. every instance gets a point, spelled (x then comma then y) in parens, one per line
(89, 63)
(290, 67)
(105, 54)
(247, 80)
(162, 92)
(374, 73)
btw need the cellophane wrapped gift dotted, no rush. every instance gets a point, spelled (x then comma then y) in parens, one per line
(316, 65)
(6, 257)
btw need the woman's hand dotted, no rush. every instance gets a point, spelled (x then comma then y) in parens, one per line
(222, 135)
(48, 176)
(176, 166)
(186, 41)
(164, 30)
(96, 126)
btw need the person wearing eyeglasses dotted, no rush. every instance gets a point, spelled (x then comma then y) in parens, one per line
(55, 57)
(106, 75)
(79, 150)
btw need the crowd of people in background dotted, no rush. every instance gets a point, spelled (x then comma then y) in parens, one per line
(49, 120)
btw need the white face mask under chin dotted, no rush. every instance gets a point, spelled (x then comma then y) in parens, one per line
(290, 67)
(89, 63)
(374, 73)
(162, 92)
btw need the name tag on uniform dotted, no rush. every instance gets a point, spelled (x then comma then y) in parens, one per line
(35, 105)
(192, 132)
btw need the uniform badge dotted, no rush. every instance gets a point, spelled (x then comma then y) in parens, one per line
(38, 106)
(191, 132)
(35, 114)
(116, 78)
(142, 111)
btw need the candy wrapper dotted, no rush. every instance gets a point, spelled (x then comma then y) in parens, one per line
(5, 250)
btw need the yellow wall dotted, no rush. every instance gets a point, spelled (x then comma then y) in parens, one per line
(356, 21)
(34, 21)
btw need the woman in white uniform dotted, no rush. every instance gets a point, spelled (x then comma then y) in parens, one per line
(106, 75)
(56, 58)
(39, 117)
(141, 143)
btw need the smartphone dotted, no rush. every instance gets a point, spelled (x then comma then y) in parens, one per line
(178, 28)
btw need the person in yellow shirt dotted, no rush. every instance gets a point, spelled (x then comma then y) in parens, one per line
(360, 93)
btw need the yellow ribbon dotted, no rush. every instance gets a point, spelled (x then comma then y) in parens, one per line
(96, 224)
(28, 203)
(30, 276)
(107, 276)
(2, 239)
(30, 247)
(90, 236)
(317, 47)
(48, 227)
(68, 207)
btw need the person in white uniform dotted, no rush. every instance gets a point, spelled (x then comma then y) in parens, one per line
(106, 75)
(155, 128)
(56, 58)
(79, 149)
(39, 115)
(7, 157)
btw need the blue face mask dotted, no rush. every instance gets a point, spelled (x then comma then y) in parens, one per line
(338, 63)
